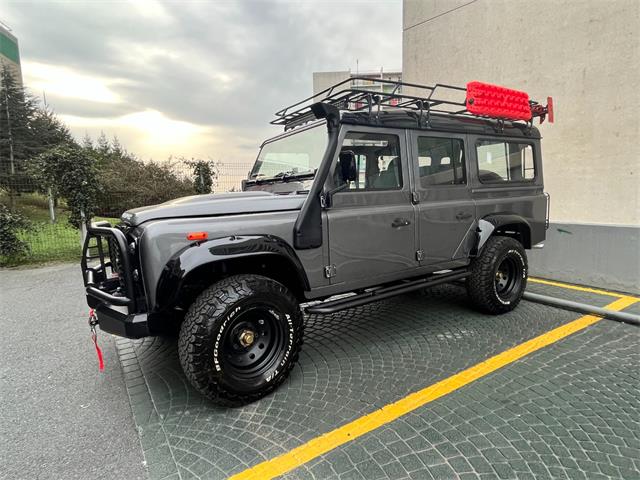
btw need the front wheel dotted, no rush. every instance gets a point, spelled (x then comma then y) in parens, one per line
(498, 275)
(240, 339)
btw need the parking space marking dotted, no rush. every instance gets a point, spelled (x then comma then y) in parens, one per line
(355, 429)
(579, 288)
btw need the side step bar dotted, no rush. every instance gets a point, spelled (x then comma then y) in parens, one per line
(333, 306)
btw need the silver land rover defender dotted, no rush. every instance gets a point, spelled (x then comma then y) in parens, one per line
(369, 194)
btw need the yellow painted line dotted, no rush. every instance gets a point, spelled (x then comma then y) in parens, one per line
(349, 432)
(579, 288)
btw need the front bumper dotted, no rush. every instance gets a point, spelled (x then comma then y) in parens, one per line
(112, 320)
(109, 284)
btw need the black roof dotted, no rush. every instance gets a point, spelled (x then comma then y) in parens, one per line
(409, 119)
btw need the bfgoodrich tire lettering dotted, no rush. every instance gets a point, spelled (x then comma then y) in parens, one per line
(240, 339)
(498, 276)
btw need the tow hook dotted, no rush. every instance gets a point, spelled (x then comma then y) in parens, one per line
(93, 321)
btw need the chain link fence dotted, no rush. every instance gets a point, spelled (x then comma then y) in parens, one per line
(48, 236)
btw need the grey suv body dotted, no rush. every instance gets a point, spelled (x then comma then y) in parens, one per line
(373, 203)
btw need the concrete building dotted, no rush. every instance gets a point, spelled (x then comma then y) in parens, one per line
(324, 80)
(586, 54)
(9, 51)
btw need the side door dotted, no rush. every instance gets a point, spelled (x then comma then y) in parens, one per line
(446, 211)
(372, 222)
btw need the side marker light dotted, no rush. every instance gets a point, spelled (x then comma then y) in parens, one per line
(197, 236)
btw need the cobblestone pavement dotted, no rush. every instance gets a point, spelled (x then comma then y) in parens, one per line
(569, 410)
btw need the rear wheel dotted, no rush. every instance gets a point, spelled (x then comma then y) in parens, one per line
(498, 276)
(240, 339)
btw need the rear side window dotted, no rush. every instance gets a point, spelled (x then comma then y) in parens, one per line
(440, 161)
(500, 162)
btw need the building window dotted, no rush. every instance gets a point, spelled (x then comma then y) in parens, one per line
(500, 162)
(441, 161)
(377, 161)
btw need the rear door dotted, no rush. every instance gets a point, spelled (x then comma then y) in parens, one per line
(446, 211)
(372, 224)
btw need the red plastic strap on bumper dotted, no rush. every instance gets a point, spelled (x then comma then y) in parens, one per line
(498, 102)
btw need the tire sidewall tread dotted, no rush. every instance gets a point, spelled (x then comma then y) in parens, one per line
(204, 320)
(481, 284)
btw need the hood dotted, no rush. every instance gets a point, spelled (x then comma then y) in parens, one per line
(215, 204)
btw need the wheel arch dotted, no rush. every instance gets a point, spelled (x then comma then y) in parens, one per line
(505, 224)
(197, 266)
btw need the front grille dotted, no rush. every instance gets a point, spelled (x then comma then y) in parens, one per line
(115, 255)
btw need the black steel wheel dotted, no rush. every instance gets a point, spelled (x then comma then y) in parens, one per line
(498, 276)
(240, 339)
(508, 277)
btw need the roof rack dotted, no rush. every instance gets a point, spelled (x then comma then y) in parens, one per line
(479, 100)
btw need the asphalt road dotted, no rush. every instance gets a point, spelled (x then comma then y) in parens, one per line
(60, 418)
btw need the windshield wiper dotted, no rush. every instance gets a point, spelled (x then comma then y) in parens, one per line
(283, 177)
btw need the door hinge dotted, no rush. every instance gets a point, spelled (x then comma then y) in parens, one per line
(415, 198)
(330, 271)
(419, 255)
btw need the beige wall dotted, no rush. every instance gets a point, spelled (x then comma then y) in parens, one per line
(586, 54)
(323, 80)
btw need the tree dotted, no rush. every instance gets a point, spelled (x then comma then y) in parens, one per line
(48, 130)
(71, 174)
(204, 173)
(10, 224)
(18, 141)
(102, 145)
(126, 182)
(116, 148)
(87, 143)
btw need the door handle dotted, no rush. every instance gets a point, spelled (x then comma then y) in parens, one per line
(462, 216)
(400, 222)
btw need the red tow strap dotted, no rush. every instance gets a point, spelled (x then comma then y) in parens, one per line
(94, 337)
(93, 321)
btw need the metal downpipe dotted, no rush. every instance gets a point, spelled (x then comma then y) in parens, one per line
(583, 308)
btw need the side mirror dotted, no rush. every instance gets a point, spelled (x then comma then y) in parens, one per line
(348, 172)
(348, 167)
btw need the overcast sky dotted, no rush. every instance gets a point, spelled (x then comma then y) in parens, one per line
(197, 79)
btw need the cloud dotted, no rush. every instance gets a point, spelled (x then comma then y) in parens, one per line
(64, 82)
(220, 67)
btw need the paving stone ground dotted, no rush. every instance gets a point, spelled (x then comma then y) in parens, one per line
(568, 411)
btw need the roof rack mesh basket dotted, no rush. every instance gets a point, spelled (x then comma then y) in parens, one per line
(357, 94)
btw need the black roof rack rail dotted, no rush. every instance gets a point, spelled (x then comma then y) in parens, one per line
(424, 99)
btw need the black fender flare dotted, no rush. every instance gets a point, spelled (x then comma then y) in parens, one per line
(490, 223)
(217, 250)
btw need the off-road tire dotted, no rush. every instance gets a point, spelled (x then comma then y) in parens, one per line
(482, 284)
(208, 327)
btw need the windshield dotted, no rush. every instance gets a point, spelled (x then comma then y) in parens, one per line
(295, 154)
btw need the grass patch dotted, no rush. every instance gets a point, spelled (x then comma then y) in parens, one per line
(48, 242)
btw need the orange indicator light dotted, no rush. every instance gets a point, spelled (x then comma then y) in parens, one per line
(197, 236)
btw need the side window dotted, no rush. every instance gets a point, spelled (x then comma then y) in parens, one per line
(441, 161)
(377, 161)
(500, 162)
